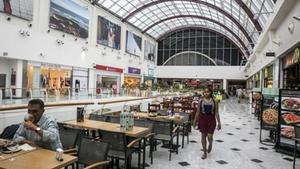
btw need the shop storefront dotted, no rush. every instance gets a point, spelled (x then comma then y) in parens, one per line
(52, 78)
(80, 77)
(268, 73)
(132, 79)
(108, 79)
(291, 69)
(149, 78)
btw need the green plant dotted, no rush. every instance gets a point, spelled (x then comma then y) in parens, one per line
(155, 86)
(143, 86)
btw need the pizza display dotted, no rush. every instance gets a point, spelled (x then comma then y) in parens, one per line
(287, 132)
(292, 104)
(270, 116)
(291, 118)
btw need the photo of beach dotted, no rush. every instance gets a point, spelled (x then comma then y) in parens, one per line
(69, 16)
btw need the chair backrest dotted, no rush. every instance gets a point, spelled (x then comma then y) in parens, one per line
(117, 140)
(153, 107)
(136, 108)
(297, 131)
(69, 136)
(97, 117)
(9, 132)
(92, 151)
(163, 127)
(113, 119)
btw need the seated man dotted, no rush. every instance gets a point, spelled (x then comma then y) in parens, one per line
(40, 129)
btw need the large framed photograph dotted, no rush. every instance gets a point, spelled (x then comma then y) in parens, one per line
(133, 44)
(69, 16)
(108, 33)
(20, 8)
(150, 51)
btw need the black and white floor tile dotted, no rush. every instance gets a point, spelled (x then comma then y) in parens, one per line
(232, 149)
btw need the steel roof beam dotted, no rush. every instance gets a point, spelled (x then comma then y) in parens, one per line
(250, 14)
(198, 2)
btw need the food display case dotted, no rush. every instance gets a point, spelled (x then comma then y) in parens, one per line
(289, 116)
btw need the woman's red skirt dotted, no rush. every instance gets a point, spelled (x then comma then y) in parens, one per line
(206, 123)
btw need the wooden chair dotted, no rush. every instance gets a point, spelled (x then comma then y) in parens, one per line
(93, 154)
(165, 131)
(120, 148)
(153, 107)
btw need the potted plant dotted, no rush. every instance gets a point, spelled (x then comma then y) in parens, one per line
(143, 88)
(155, 87)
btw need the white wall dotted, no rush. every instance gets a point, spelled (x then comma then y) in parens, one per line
(200, 72)
(70, 54)
(276, 37)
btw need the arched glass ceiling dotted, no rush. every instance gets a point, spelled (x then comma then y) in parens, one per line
(176, 23)
(245, 17)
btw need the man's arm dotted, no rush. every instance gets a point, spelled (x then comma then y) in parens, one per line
(20, 136)
(51, 134)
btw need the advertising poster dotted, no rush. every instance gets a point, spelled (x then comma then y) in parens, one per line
(289, 112)
(69, 16)
(20, 8)
(133, 44)
(108, 33)
(269, 119)
(150, 51)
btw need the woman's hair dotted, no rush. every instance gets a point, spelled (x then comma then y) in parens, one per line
(210, 91)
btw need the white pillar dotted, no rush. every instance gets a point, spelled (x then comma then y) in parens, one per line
(225, 84)
(92, 81)
(19, 78)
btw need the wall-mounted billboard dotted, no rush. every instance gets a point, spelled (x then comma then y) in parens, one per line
(70, 16)
(150, 51)
(108, 33)
(20, 8)
(133, 44)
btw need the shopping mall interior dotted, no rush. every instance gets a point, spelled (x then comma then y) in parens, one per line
(197, 84)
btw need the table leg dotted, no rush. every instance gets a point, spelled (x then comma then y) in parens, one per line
(144, 153)
(295, 150)
(139, 156)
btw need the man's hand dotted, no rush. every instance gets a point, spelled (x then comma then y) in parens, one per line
(29, 142)
(30, 126)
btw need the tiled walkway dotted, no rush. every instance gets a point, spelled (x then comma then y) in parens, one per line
(236, 146)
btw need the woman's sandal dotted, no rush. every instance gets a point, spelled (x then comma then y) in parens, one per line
(204, 156)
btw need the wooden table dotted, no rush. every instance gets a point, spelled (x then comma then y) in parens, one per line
(37, 159)
(106, 126)
(137, 132)
(177, 120)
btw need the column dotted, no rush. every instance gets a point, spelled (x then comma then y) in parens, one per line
(225, 84)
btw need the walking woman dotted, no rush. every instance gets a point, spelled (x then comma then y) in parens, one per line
(206, 117)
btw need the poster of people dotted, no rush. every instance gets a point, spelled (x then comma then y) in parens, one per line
(69, 16)
(150, 51)
(133, 44)
(20, 8)
(108, 33)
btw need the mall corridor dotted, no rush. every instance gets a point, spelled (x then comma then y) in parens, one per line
(236, 145)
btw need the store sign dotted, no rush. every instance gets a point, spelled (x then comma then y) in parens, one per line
(108, 68)
(151, 72)
(133, 70)
(292, 58)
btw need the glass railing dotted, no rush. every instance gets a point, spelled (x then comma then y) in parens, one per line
(10, 96)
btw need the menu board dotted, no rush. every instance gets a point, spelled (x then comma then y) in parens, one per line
(289, 112)
(269, 115)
